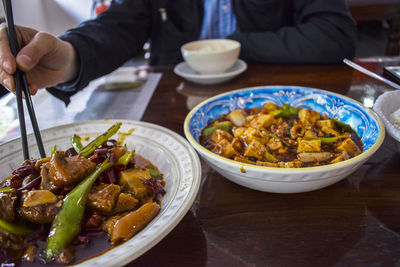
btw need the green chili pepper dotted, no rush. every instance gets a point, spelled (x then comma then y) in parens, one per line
(76, 143)
(5, 188)
(152, 171)
(328, 140)
(67, 223)
(53, 149)
(225, 127)
(273, 136)
(14, 228)
(343, 125)
(286, 111)
(270, 157)
(124, 159)
(99, 140)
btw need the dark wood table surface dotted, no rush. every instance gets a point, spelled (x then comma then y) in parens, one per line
(355, 222)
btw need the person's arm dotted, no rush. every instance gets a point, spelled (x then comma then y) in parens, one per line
(105, 43)
(322, 32)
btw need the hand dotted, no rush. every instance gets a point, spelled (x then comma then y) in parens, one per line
(46, 59)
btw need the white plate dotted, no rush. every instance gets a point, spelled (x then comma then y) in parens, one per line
(173, 155)
(183, 70)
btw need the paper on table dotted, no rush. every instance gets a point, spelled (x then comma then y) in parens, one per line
(90, 103)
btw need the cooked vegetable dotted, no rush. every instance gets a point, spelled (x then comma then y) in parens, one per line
(14, 228)
(76, 143)
(328, 140)
(286, 111)
(127, 226)
(67, 223)
(99, 140)
(225, 127)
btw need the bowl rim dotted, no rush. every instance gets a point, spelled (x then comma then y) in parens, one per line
(229, 49)
(389, 127)
(232, 163)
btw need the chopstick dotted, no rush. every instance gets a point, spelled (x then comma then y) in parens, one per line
(370, 73)
(21, 82)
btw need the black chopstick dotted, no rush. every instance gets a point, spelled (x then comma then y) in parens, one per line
(21, 82)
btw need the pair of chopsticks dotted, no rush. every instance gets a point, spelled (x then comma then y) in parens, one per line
(21, 84)
(370, 73)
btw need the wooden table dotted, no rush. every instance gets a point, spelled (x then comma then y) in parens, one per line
(355, 222)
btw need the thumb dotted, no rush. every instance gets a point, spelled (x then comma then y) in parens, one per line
(30, 55)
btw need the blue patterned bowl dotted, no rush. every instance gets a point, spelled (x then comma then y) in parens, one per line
(286, 180)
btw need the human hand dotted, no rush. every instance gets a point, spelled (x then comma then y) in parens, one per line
(46, 59)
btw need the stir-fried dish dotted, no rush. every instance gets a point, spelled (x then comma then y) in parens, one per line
(51, 207)
(285, 137)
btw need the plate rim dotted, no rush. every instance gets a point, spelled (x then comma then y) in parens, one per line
(202, 77)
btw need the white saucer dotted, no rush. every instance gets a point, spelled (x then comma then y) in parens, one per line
(183, 70)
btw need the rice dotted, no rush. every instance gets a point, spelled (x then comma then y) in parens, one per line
(395, 118)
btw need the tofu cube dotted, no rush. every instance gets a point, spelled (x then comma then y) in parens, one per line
(255, 149)
(309, 146)
(262, 121)
(225, 149)
(350, 147)
(308, 116)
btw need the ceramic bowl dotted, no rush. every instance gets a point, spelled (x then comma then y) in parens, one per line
(385, 106)
(286, 180)
(211, 56)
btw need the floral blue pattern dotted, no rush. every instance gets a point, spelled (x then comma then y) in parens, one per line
(363, 120)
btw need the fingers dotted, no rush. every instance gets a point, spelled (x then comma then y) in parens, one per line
(7, 61)
(30, 55)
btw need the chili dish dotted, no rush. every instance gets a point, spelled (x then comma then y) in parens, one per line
(54, 205)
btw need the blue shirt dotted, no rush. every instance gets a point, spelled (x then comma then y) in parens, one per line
(219, 20)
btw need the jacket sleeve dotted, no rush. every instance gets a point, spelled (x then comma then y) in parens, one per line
(322, 32)
(105, 43)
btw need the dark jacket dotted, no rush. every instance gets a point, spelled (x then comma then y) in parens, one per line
(270, 31)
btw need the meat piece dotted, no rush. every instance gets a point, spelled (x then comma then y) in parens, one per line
(64, 170)
(8, 199)
(39, 206)
(141, 161)
(46, 183)
(104, 197)
(132, 180)
(125, 202)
